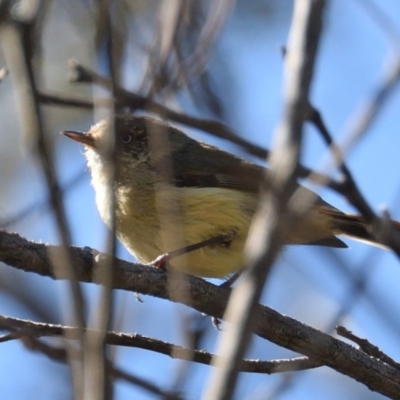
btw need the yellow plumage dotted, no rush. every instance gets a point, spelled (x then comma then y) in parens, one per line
(172, 191)
(197, 215)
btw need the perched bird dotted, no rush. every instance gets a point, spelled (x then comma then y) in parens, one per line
(206, 196)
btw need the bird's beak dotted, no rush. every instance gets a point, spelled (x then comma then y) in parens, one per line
(85, 138)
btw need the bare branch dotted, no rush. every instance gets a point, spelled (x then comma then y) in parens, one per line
(367, 347)
(272, 218)
(59, 354)
(97, 385)
(40, 206)
(20, 328)
(19, 45)
(59, 100)
(212, 300)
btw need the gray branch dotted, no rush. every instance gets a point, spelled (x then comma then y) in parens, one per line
(207, 298)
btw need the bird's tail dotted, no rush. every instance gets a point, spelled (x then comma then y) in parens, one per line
(357, 227)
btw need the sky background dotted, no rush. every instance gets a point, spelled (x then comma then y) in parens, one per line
(310, 284)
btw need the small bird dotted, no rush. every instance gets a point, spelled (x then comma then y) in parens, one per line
(171, 189)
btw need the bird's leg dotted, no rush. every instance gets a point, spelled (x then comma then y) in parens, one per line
(224, 240)
(228, 285)
(231, 280)
(162, 260)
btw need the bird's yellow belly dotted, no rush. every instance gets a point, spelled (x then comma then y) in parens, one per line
(188, 216)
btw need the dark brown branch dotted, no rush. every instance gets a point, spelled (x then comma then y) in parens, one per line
(144, 384)
(9, 336)
(381, 228)
(349, 186)
(367, 347)
(60, 355)
(210, 299)
(59, 100)
(21, 328)
(124, 98)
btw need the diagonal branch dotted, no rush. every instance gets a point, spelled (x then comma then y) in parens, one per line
(273, 217)
(212, 300)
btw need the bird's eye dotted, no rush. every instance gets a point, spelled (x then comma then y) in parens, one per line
(126, 138)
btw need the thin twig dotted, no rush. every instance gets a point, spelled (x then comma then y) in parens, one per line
(385, 24)
(367, 347)
(382, 229)
(370, 109)
(40, 206)
(124, 98)
(144, 384)
(20, 328)
(350, 188)
(59, 354)
(61, 100)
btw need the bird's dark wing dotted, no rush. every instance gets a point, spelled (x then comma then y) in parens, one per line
(197, 164)
(200, 165)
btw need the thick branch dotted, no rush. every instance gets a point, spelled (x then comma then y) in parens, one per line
(210, 299)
